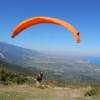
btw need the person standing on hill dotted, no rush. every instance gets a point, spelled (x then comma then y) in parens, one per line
(39, 77)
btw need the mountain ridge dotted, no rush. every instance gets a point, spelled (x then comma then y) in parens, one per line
(15, 53)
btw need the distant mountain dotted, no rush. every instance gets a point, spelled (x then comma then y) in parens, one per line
(16, 54)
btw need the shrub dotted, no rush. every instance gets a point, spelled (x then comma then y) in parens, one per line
(94, 91)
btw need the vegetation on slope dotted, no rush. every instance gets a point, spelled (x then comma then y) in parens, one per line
(12, 77)
(95, 90)
(18, 68)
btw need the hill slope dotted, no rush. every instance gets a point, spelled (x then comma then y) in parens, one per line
(24, 92)
(18, 68)
(16, 54)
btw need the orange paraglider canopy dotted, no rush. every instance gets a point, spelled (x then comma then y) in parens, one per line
(40, 19)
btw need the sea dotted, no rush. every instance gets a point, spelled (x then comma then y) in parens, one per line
(93, 60)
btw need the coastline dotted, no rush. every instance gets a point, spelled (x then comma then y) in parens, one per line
(92, 60)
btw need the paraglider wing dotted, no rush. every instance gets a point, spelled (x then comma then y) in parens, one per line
(40, 19)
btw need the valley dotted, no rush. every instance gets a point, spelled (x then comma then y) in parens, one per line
(63, 68)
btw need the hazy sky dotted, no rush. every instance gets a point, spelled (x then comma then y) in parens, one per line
(84, 15)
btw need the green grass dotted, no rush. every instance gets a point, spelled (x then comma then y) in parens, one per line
(25, 92)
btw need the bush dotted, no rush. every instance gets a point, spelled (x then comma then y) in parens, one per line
(42, 87)
(95, 91)
(92, 92)
(11, 77)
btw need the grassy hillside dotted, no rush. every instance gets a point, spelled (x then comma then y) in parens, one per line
(24, 92)
(18, 68)
(8, 77)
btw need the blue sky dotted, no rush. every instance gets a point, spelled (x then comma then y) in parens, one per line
(84, 15)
